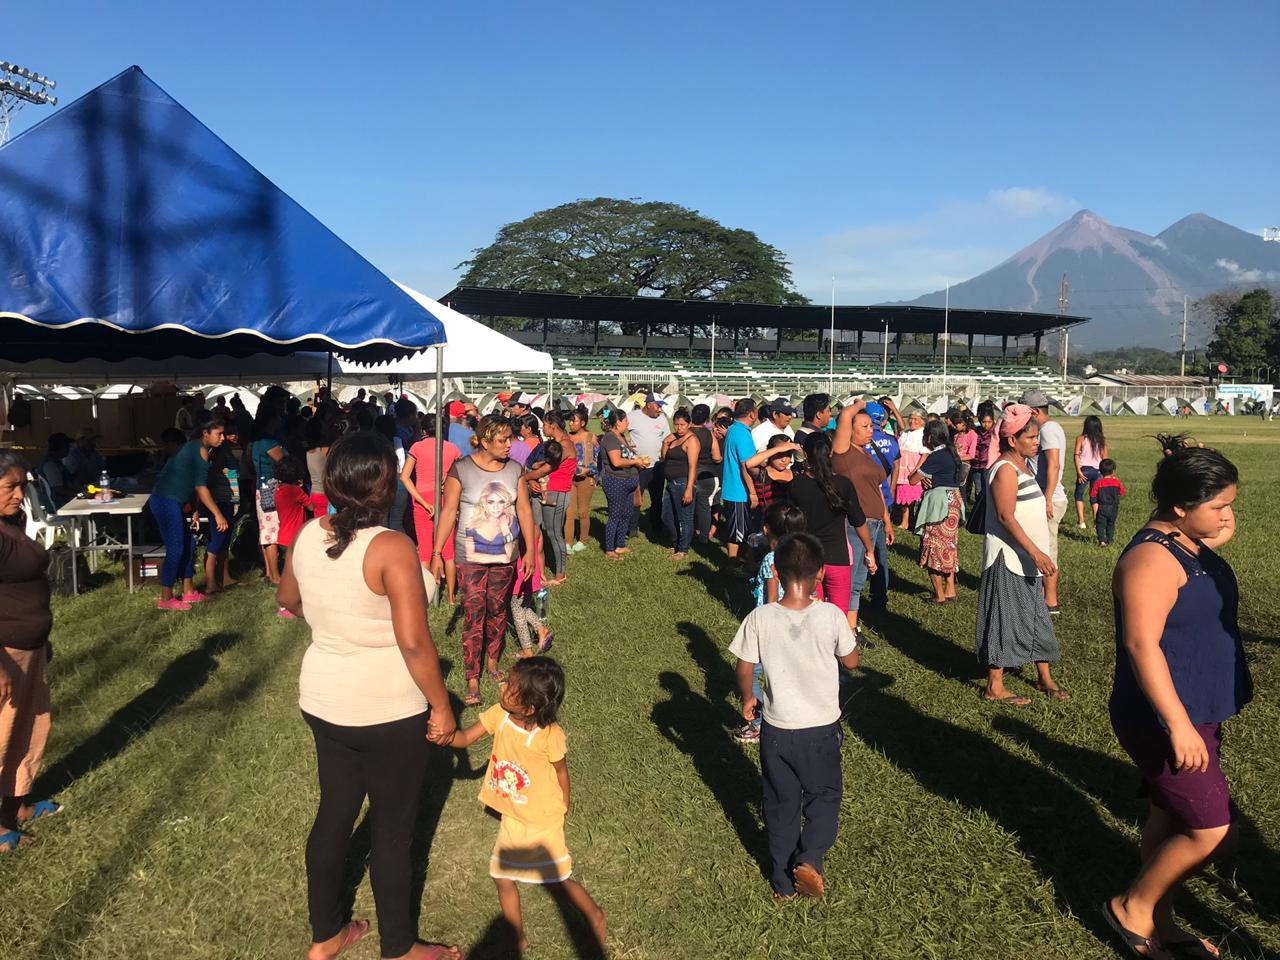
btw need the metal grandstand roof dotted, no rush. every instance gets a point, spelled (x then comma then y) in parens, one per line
(490, 302)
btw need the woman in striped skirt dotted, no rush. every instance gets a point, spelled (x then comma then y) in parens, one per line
(1014, 627)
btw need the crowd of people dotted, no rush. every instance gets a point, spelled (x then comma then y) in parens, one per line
(806, 515)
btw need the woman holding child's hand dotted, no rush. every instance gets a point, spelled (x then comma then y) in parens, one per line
(370, 690)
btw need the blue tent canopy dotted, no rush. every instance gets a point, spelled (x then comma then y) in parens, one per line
(127, 228)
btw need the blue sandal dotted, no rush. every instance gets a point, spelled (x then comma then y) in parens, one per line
(11, 840)
(43, 808)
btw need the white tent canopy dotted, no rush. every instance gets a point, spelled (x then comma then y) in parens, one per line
(471, 348)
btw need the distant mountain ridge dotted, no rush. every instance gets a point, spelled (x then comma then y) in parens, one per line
(1129, 283)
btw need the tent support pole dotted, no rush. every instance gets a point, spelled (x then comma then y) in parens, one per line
(330, 374)
(439, 464)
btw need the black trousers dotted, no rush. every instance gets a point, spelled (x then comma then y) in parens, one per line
(802, 778)
(1105, 523)
(652, 482)
(385, 762)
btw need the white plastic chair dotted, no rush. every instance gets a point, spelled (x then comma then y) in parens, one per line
(42, 525)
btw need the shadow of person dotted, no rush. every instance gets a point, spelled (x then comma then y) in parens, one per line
(179, 681)
(719, 680)
(499, 940)
(138, 826)
(695, 726)
(1055, 825)
(930, 650)
(1252, 867)
(722, 583)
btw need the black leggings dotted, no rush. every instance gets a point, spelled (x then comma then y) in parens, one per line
(385, 762)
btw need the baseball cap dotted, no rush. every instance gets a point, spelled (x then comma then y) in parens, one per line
(1035, 398)
(523, 399)
(654, 398)
(877, 413)
(457, 408)
(782, 405)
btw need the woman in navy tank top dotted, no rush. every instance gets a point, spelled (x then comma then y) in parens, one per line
(1180, 672)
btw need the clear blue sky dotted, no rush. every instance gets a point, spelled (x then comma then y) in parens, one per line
(898, 145)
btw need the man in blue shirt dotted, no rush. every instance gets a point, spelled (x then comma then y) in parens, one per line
(884, 450)
(737, 491)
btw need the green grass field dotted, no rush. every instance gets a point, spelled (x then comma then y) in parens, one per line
(966, 831)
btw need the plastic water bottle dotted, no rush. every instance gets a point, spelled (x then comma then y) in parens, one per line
(104, 487)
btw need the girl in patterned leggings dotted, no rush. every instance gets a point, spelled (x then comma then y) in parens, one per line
(619, 475)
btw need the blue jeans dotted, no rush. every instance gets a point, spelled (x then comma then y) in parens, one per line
(677, 516)
(860, 575)
(802, 776)
(1091, 476)
(703, 490)
(1105, 523)
(179, 541)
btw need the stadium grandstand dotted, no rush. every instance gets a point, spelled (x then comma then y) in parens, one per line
(612, 345)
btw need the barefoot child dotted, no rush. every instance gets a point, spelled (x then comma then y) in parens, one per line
(798, 641)
(527, 782)
(524, 616)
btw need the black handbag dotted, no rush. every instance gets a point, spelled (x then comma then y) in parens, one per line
(977, 520)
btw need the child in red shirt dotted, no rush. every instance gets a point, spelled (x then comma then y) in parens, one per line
(292, 505)
(1105, 495)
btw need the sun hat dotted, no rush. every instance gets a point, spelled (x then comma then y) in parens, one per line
(1035, 398)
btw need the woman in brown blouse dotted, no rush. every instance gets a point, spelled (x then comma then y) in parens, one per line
(25, 622)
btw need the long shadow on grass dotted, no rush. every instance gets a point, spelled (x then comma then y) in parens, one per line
(119, 847)
(930, 650)
(498, 942)
(1055, 825)
(174, 687)
(695, 725)
(1253, 868)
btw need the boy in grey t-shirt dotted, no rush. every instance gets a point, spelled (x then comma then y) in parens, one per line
(798, 642)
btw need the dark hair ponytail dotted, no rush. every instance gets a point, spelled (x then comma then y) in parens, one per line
(817, 457)
(359, 480)
(1191, 476)
(936, 435)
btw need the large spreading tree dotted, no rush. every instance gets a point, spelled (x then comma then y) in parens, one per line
(626, 248)
(1246, 329)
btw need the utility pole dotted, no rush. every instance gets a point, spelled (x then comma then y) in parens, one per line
(1184, 335)
(18, 85)
(1062, 309)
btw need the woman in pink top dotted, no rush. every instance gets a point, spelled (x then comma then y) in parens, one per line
(1091, 449)
(419, 478)
(965, 438)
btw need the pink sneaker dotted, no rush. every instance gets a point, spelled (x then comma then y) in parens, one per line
(284, 614)
(196, 597)
(173, 603)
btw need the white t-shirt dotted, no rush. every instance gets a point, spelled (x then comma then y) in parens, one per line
(762, 432)
(797, 650)
(647, 433)
(1052, 437)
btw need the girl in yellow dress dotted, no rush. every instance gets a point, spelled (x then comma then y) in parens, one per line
(527, 782)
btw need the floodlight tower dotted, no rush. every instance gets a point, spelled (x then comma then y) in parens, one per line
(19, 86)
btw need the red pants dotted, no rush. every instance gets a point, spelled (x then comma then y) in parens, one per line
(486, 590)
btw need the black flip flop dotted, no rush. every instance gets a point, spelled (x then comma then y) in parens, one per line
(1155, 950)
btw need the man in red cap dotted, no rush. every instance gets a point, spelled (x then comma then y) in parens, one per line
(459, 433)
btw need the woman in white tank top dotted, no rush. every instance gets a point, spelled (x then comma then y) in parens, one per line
(370, 690)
